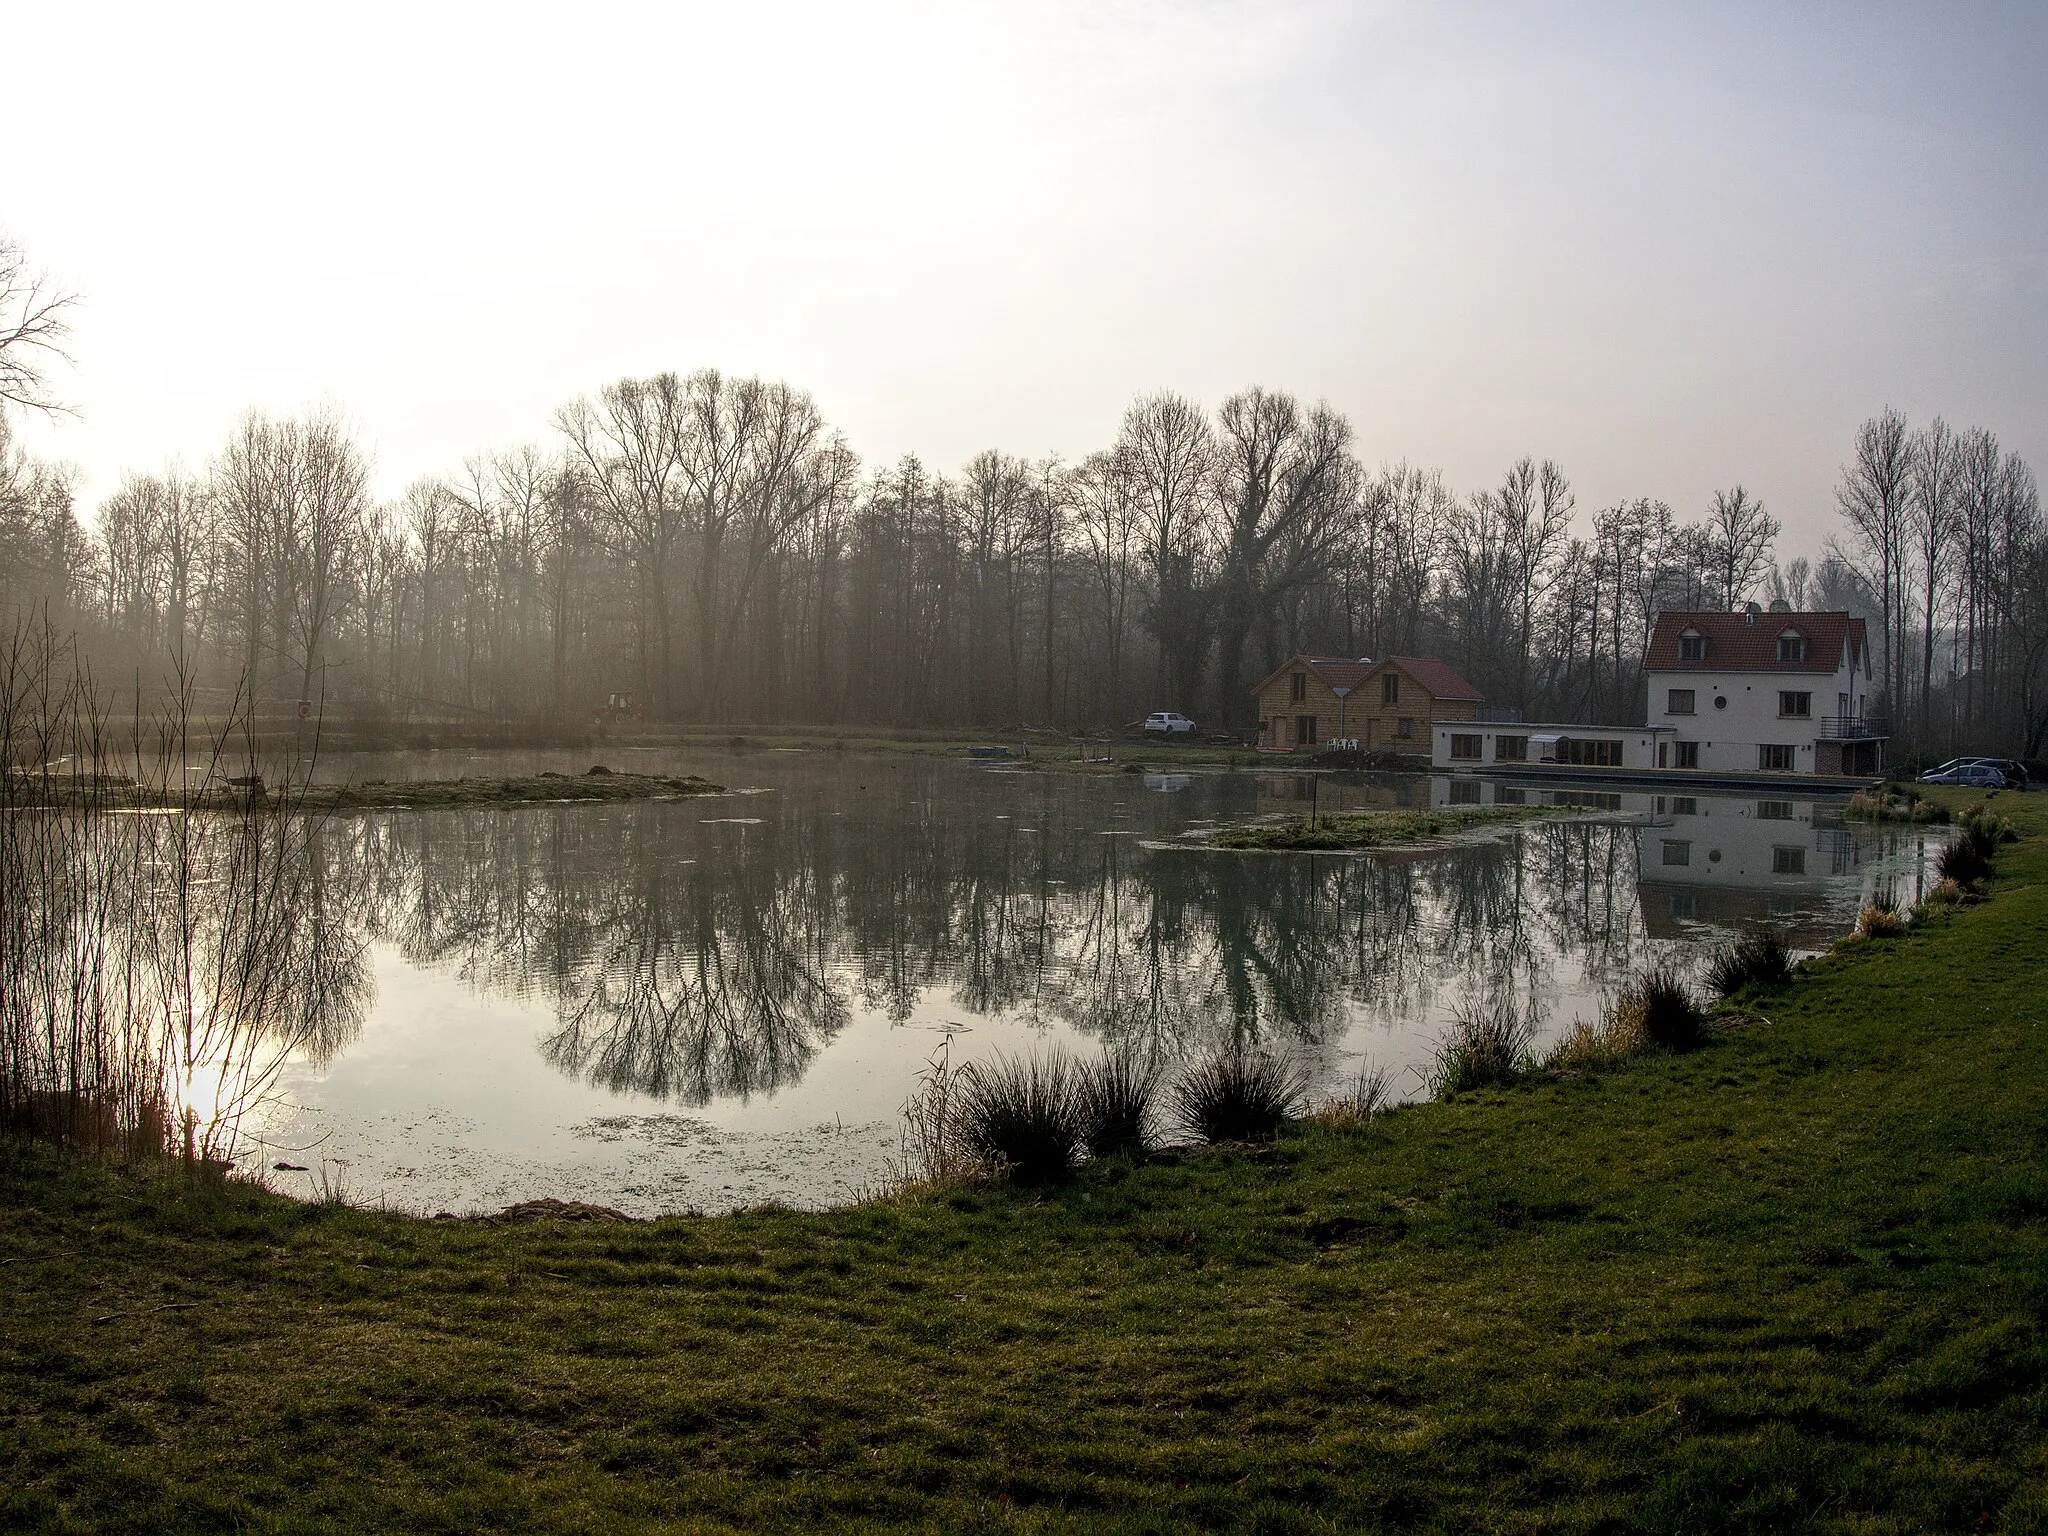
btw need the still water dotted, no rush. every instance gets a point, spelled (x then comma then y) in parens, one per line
(718, 1002)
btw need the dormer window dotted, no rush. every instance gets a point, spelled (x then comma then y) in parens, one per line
(1692, 646)
(1791, 646)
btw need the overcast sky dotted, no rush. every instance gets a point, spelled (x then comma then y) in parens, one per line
(1673, 247)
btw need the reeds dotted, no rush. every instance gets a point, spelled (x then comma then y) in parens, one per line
(1489, 1043)
(1758, 958)
(1238, 1094)
(159, 968)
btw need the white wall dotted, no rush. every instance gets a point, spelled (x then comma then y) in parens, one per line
(1729, 736)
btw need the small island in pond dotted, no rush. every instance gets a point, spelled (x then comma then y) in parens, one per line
(535, 789)
(1374, 829)
(231, 793)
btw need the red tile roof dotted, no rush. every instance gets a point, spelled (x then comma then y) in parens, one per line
(1743, 642)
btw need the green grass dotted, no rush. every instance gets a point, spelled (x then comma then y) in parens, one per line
(1375, 829)
(1794, 1280)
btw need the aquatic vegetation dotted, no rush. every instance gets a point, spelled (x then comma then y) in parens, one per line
(1900, 803)
(1374, 829)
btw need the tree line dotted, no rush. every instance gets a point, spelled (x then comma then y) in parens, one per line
(714, 548)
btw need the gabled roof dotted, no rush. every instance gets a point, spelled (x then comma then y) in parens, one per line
(1748, 642)
(1435, 678)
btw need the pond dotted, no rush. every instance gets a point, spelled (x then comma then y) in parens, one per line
(713, 1003)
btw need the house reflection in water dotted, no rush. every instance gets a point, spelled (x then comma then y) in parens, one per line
(1786, 863)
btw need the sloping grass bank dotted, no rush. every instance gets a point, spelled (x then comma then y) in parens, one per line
(1794, 1280)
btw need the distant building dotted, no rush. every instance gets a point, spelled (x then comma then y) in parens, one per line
(1756, 691)
(1312, 702)
(1749, 692)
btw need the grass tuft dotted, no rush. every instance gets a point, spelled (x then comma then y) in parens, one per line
(1489, 1043)
(1237, 1095)
(1116, 1097)
(1363, 1099)
(1020, 1116)
(1671, 1015)
(1758, 958)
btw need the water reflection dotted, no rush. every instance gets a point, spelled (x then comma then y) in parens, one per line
(697, 958)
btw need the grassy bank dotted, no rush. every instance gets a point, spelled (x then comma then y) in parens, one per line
(1374, 829)
(1795, 1280)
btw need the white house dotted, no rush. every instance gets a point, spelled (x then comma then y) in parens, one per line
(1776, 692)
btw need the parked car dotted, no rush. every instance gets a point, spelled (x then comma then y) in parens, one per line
(1970, 775)
(2015, 772)
(1166, 723)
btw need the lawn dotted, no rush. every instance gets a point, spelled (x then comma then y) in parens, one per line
(1796, 1280)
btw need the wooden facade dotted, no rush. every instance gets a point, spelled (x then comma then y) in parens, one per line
(1384, 706)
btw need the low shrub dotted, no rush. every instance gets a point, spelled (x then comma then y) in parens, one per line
(1939, 899)
(1237, 1095)
(1758, 958)
(1115, 1096)
(1488, 1043)
(1020, 1117)
(1671, 1014)
(1880, 921)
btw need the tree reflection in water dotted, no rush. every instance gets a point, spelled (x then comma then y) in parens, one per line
(694, 960)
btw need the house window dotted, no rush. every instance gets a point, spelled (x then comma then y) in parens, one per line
(1407, 729)
(1791, 646)
(1795, 705)
(1502, 795)
(1773, 759)
(1466, 747)
(1678, 701)
(1464, 792)
(1304, 730)
(1297, 687)
(1595, 754)
(1511, 749)
(1688, 753)
(1692, 647)
(1774, 810)
(1685, 805)
(1685, 904)
(1677, 853)
(1788, 861)
(1390, 689)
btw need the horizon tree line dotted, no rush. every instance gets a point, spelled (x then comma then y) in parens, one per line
(713, 547)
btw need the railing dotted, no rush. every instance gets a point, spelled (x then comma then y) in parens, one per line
(1849, 728)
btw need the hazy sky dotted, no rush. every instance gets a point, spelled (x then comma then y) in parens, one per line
(1673, 247)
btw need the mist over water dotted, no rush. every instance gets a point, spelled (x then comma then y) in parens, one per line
(711, 1003)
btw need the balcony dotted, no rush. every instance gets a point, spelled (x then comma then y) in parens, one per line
(1849, 728)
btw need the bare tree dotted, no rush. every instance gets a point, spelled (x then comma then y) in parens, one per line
(34, 320)
(1171, 454)
(1739, 536)
(1875, 496)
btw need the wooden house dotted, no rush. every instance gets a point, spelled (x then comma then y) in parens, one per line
(1310, 702)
